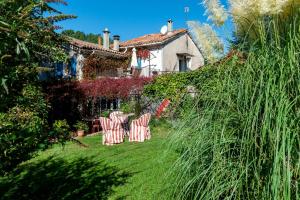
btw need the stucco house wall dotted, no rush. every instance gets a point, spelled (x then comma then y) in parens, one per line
(172, 51)
(182, 45)
(156, 56)
(165, 58)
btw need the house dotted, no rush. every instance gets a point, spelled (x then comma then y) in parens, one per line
(86, 61)
(91, 61)
(169, 51)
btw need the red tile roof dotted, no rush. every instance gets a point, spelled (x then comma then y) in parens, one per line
(153, 38)
(91, 46)
(83, 44)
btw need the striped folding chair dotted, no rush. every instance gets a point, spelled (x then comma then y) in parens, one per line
(119, 117)
(139, 129)
(117, 132)
(162, 107)
(114, 114)
(107, 138)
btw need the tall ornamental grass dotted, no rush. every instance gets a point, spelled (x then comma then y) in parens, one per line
(241, 140)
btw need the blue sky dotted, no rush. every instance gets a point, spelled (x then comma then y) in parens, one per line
(133, 18)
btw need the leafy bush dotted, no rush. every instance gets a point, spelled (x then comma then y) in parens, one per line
(81, 126)
(137, 108)
(60, 131)
(169, 85)
(27, 39)
(175, 87)
(127, 107)
(23, 129)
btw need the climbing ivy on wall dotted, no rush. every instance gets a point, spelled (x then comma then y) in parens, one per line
(96, 65)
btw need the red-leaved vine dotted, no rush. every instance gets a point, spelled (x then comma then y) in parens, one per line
(112, 88)
(71, 99)
(144, 54)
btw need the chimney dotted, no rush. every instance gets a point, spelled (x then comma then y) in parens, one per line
(106, 38)
(170, 26)
(116, 42)
(99, 41)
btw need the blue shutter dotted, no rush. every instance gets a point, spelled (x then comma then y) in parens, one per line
(59, 72)
(73, 66)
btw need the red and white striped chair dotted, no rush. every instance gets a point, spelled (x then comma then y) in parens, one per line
(114, 114)
(119, 117)
(117, 131)
(113, 131)
(139, 129)
(107, 133)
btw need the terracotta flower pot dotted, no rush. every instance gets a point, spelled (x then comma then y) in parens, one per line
(80, 133)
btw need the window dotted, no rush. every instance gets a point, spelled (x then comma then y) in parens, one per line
(183, 64)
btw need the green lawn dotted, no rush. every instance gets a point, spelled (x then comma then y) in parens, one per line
(125, 171)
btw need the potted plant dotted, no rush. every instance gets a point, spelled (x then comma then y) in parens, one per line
(81, 128)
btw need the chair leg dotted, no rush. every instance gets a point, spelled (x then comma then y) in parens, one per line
(103, 139)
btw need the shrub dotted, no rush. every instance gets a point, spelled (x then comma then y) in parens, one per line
(137, 108)
(127, 107)
(82, 126)
(22, 132)
(175, 87)
(60, 131)
(168, 85)
(27, 39)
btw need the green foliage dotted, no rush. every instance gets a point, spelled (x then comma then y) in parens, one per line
(60, 131)
(90, 37)
(81, 126)
(23, 128)
(137, 108)
(127, 107)
(241, 140)
(105, 113)
(33, 99)
(169, 85)
(173, 86)
(161, 123)
(93, 38)
(27, 39)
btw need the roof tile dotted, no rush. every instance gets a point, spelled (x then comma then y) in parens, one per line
(91, 46)
(152, 38)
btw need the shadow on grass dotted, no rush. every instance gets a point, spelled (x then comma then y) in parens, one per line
(61, 179)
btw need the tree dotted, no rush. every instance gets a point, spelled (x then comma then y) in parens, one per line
(28, 40)
(90, 37)
(93, 38)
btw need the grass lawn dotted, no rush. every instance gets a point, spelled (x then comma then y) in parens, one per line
(125, 171)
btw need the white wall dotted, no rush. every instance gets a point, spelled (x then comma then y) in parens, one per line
(165, 58)
(155, 62)
(183, 44)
